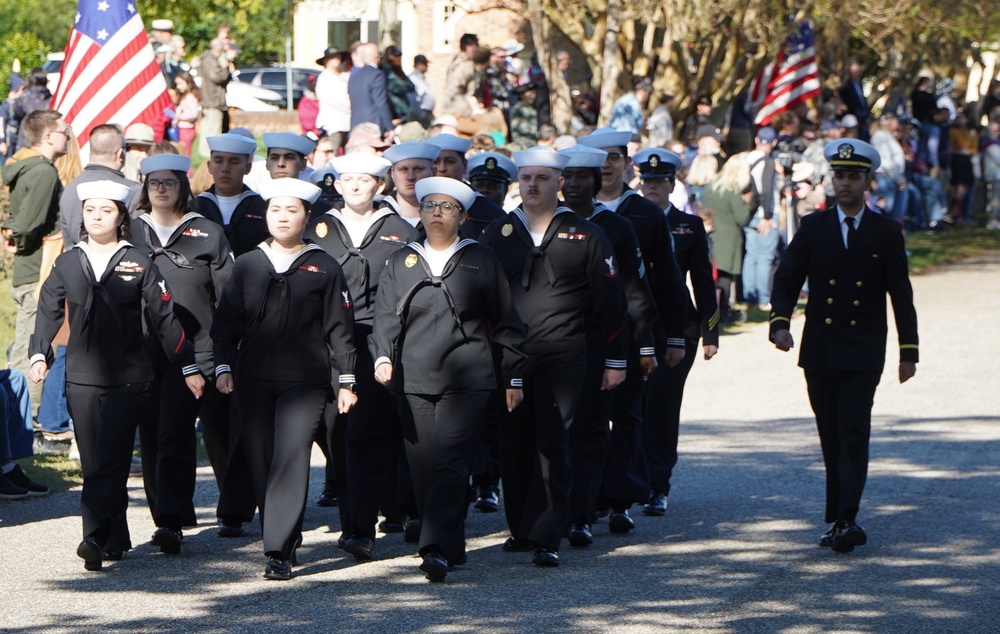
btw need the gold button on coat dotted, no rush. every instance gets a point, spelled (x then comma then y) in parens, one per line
(829, 300)
(829, 321)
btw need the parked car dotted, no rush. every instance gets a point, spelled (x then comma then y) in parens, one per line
(52, 67)
(275, 78)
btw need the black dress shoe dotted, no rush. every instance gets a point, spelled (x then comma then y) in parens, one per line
(230, 528)
(488, 500)
(328, 499)
(657, 504)
(360, 547)
(826, 539)
(847, 536)
(90, 553)
(545, 558)
(168, 540)
(341, 541)
(434, 566)
(278, 569)
(580, 535)
(621, 522)
(411, 530)
(112, 554)
(514, 545)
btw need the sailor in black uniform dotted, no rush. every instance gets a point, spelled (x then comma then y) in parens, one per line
(563, 278)
(451, 163)
(193, 256)
(286, 315)
(411, 162)
(106, 286)
(361, 239)
(240, 212)
(443, 307)
(626, 480)
(852, 257)
(665, 388)
(589, 436)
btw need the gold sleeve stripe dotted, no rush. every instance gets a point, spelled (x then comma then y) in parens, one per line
(779, 318)
(908, 346)
(713, 321)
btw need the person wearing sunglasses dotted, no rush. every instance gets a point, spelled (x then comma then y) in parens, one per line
(442, 311)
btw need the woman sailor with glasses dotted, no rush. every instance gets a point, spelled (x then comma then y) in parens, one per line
(103, 287)
(442, 308)
(194, 257)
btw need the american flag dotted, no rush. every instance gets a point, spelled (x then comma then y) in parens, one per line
(791, 79)
(109, 74)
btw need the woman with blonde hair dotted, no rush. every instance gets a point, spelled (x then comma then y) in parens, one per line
(703, 169)
(728, 197)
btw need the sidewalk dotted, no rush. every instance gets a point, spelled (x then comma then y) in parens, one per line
(736, 551)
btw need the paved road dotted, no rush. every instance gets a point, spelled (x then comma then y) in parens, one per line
(735, 553)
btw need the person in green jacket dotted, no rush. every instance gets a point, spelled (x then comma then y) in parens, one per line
(34, 215)
(728, 196)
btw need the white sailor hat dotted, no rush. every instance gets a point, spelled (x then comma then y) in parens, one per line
(447, 186)
(450, 142)
(583, 156)
(162, 24)
(158, 162)
(361, 163)
(412, 150)
(606, 137)
(492, 166)
(232, 143)
(104, 189)
(289, 141)
(319, 176)
(656, 162)
(540, 157)
(852, 155)
(291, 187)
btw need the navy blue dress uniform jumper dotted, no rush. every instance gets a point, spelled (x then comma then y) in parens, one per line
(220, 421)
(562, 289)
(590, 434)
(442, 332)
(284, 336)
(196, 262)
(665, 388)
(108, 369)
(360, 441)
(843, 344)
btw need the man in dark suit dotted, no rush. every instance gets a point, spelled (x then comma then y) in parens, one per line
(851, 257)
(367, 91)
(853, 95)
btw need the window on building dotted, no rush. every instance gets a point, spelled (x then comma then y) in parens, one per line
(342, 34)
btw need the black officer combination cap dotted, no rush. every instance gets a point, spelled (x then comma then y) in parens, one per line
(492, 166)
(852, 155)
(657, 163)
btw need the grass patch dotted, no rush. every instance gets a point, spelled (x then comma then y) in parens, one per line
(928, 251)
(54, 470)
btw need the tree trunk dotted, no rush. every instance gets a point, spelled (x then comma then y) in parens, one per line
(611, 67)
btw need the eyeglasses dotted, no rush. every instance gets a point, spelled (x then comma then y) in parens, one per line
(168, 184)
(614, 157)
(447, 208)
(66, 133)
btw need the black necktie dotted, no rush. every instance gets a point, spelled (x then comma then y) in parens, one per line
(850, 231)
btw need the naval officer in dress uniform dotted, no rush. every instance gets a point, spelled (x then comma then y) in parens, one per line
(851, 257)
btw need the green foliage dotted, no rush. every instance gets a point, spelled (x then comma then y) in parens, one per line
(49, 20)
(28, 48)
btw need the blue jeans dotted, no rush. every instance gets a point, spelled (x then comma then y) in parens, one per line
(757, 265)
(16, 435)
(932, 194)
(52, 413)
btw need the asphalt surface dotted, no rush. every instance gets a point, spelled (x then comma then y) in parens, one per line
(736, 551)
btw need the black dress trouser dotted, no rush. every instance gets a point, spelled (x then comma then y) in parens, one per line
(626, 478)
(439, 446)
(661, 427)
(280, 420)
(843, 407)
(220, 428)
(534, 448)
(588, 441)
(168, 442)
(105, 420)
